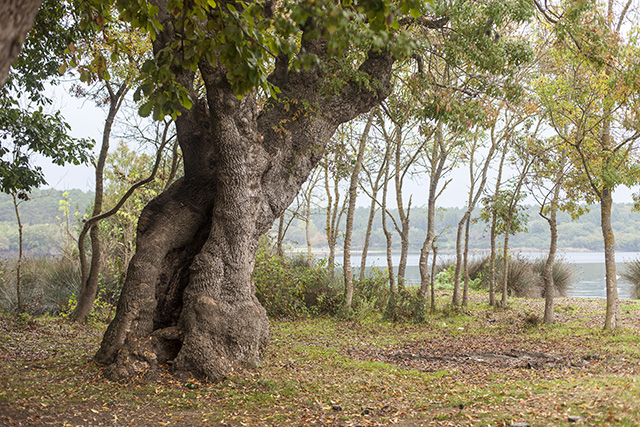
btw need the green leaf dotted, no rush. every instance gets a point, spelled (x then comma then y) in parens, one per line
(145, 109)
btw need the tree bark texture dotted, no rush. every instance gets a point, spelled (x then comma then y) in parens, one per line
(188, 300)
(16, 19)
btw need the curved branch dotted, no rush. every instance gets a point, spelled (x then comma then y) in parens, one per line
(88, 223)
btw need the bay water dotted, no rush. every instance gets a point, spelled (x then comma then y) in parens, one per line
(589, 270)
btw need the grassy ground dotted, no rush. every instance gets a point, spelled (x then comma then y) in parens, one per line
(481, 367)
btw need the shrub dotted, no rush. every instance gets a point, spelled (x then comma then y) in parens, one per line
(563, 275)
(288, 287)
(525, 276)
(372, 290)
(632, 274)
(405, 305)
(445, 272)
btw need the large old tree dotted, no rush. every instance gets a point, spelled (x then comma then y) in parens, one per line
(188, 299)
(257, 90)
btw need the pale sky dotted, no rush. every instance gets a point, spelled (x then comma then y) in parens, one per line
(86, 121)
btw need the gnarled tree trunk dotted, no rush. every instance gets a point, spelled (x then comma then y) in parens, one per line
(188, 299)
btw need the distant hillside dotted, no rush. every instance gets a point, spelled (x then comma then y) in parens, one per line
(43, 206)
(582, 234)
(43, 230)
(42, 221)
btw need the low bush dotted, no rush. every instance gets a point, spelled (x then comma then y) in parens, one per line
(405, 306)
(525, 276)
(563, 275)
(632, 274)
(288, 287)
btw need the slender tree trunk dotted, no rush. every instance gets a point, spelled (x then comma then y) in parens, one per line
(90, 275)
(455, 300)
(367, 237)
(307, 232)
(334, 213)
(19, 301)
(423, 263)
(437, 160)
(433, 279)
(353, 194)
(385, 229)
(492, 260)
(475, 191)
(613, 314)
(329, 226)
(465, 264)
(306, 195)
(375, 187)
(280, 238)
(403, 215)
(547, 275)
(493, 234)
(505, 261)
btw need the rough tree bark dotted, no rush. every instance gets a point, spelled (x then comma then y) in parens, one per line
(188, 299)
(16, 19)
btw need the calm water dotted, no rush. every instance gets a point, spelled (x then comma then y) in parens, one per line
(590, 271)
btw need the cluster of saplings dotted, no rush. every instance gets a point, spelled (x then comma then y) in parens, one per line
(291, 286)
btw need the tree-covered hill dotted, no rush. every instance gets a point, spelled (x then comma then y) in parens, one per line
(44, 221)
(581, 234)
(44, 218)
(43, 206)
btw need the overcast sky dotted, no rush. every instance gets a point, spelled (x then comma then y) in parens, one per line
(86, 121)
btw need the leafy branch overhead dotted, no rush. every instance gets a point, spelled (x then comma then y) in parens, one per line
(249, 39)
